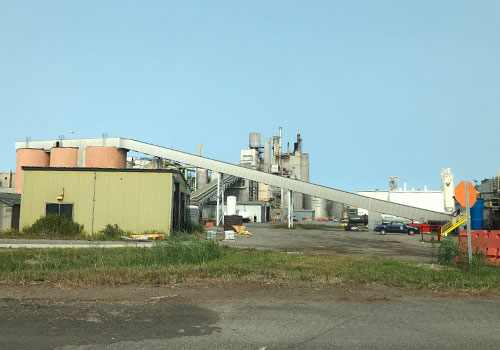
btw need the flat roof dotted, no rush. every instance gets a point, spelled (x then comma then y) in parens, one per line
(121, 170)
(10, 198)
(387, 191)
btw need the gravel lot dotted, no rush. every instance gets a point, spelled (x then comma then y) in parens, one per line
(324, 239)
(334, 240)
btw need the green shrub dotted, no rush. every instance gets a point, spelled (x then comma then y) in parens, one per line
(194, 228)
(54, 225)
(111, 232)
(448, 252)
(451, 253)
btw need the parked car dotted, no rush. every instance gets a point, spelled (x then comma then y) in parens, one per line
(351, 228)
(396, 227)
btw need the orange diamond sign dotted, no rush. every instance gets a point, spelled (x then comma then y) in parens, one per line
(460, 194)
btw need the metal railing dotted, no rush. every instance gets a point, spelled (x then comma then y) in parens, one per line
(209, 192)
(453, 223)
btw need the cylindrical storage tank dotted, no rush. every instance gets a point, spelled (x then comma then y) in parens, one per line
(254, 141)
(201, 178)
(208, 212)
(320, 206)
(29, 157)
(193, 214)
(298, 200)
(231, 205)
(448, 187)
(308, 201)
(64, 157)
(105, 157)
(213, 176)
(476, 215)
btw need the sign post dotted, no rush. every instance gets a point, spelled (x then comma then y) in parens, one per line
(467, 208)
(466, 195)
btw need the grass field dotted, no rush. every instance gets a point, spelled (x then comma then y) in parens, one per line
(175, 261)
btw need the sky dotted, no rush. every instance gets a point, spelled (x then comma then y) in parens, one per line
(375, 88)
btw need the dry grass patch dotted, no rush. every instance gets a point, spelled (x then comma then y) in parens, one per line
(205, 261)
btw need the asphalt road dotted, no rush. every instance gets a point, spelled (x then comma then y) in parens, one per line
(201, 316)
(244, 317)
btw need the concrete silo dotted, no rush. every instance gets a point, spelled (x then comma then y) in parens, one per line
(64, 157)
(105, 157)
(29, 157)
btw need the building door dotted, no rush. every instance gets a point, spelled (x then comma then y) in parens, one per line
(176, 208)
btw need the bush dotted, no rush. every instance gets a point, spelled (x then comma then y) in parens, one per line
(194, 228)
(54, 225)
(451, 253)
(111, 232)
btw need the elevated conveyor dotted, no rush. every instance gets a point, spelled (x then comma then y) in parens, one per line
(351, 199)
(208, 192)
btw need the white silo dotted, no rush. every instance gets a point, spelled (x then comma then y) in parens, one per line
(320, 207)
(448, 187)
(201, 178)
(231, 205)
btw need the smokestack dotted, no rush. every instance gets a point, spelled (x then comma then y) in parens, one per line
(267, 155)
(297, 145)
(276, 145)
(280, 140)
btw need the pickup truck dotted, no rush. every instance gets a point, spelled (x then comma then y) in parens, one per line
(397, 227)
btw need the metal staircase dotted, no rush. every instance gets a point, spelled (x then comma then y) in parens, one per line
(453, 223)
(209, 192)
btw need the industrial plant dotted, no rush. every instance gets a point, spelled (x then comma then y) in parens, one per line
(85, 179)
(264, 202)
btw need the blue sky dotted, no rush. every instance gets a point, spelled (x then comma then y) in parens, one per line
(375, 88)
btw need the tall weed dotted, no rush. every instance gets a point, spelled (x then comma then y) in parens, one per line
(452, 253)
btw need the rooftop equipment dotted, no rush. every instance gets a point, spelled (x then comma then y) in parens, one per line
(393, 183)
(254, 140)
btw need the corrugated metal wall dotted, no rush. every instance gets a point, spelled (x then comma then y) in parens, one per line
(135, 201)
(5, 216)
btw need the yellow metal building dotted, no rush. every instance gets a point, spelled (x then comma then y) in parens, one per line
(136, 200)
